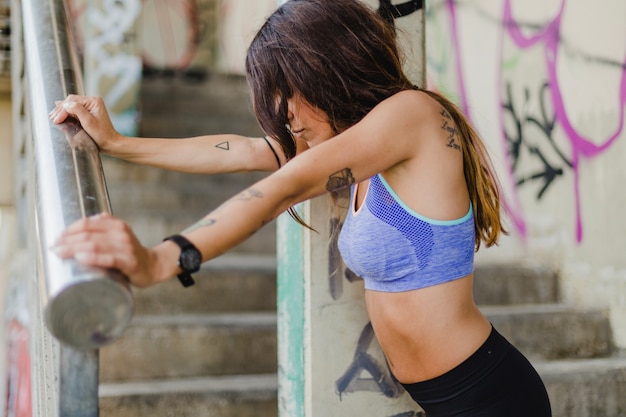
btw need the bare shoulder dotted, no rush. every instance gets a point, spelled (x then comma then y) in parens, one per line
(409, 108)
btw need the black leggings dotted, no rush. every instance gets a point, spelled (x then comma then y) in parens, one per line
(496, 381)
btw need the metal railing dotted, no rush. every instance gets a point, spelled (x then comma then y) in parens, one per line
(71, 310)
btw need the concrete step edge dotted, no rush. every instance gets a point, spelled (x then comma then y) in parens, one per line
(253, 384)
(536, 309)
(241, 262)
(567, 367)
(260, 319)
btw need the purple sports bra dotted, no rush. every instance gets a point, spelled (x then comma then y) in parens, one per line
(395, 249)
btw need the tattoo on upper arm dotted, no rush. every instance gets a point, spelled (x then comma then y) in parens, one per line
(223, 145)
(449, 126)
(340, 179)
(202, 223)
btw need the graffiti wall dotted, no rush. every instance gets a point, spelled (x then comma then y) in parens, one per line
(106, 33)
(545, 82)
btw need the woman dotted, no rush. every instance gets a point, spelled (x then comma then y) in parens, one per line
(329, 91)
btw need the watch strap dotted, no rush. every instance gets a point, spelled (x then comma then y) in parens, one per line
(184, 277)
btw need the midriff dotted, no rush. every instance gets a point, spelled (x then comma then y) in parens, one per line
(427, 332)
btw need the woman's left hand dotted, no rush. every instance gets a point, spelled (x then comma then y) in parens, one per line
(107, 242)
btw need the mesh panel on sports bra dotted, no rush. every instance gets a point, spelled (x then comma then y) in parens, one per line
(387, 209)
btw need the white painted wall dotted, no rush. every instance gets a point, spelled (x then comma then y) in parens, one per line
(478, 51)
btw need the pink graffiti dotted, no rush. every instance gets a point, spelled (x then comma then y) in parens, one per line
(581, 146)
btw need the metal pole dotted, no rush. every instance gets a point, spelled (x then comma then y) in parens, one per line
(83, 307)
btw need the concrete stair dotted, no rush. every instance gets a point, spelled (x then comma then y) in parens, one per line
(210, 350)
(571, 347)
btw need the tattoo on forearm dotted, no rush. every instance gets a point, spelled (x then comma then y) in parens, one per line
(340, 179)
(202, 223)
(223, 145)
(453, 133)
(249, 194)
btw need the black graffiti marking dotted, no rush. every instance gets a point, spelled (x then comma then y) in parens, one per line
(390, 12)
(340, 179)
(351, 276)
(518, 140)
(223, 145)
(335, 263)
(381, 379)
(451, 129)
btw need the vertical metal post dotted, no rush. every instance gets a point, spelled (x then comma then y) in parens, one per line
(329, 361)
(61, 180)
(78, 379)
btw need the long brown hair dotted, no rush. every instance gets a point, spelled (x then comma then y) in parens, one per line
(343, 58)
(339, 55)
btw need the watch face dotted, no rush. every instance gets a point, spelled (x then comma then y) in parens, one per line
(190, 260)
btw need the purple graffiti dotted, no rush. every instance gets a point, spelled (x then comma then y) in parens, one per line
(549, 37)
(581, 146)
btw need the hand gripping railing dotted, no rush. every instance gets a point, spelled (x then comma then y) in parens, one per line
(85, 307)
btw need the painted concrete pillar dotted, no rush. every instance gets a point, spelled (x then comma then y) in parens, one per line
(112, 61)
(6, 138)
(329, 361)
(7, 180)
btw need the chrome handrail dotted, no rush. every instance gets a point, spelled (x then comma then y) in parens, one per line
(85, 308)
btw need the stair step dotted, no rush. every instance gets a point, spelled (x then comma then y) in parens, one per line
(515, 284)
(175, 108)
(177, 346)
(239, 282)
(224, 396)
(158, 203)
(585, 388)
(132, 181)
(553, 331)
(152, 226)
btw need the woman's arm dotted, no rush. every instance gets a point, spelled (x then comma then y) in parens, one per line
(203, 154)
(210, 154)
(371, 146)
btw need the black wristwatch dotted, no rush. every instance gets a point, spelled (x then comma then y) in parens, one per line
(189, 261)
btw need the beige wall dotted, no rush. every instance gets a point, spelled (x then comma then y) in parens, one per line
(547, 91)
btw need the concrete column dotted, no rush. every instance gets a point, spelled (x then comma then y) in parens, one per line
(6, 151)
(112, 61)
(6, 138)
(329, 360)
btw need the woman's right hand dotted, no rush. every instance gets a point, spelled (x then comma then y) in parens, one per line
(92, 114)
(105, 241)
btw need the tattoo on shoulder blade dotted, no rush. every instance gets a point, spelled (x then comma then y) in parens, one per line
(202, 223)
(449, 126)
(340, 179)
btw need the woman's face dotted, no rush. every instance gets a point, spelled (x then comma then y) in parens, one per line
(307, 123)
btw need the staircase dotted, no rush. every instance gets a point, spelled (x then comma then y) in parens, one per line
(207, 350)
(210, 350)
(570, 346)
